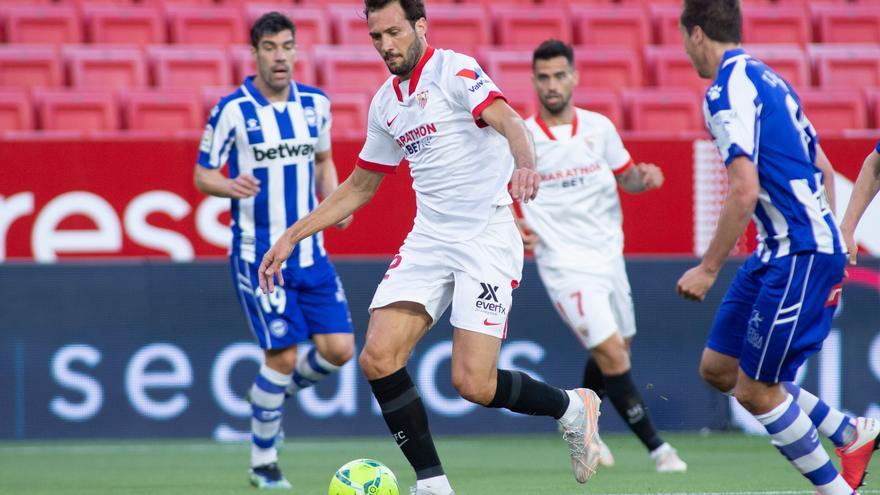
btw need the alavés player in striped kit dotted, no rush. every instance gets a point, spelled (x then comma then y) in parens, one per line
(778, 310)
(274, 134)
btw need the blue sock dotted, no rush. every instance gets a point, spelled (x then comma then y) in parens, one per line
(310, 369)
(831, 423)
(267, 400)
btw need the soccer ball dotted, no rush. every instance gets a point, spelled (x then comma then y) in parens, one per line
(363, 477)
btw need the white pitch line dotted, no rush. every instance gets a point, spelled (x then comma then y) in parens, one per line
(770, 492)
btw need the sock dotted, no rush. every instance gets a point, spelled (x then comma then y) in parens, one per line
(629, 404)
(796, 437)
(437, 484)
(267, 401)
(310, 369)
(407, 419)
(831, 423)
(523, 394)
(593, 378)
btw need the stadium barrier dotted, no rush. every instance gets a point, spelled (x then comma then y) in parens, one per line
(161, 349)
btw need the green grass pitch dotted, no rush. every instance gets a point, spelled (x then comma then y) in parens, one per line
(729, 464)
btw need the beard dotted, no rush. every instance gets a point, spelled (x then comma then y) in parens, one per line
(410, 59)
(557, 108)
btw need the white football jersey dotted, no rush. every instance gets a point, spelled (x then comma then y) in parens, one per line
(577, 212)
(460, 166)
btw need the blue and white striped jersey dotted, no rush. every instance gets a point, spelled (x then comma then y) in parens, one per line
(753, 112)
(276, 143)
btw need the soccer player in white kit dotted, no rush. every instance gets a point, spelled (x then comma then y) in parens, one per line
(575, 228)
(865, 188)
(443, 114)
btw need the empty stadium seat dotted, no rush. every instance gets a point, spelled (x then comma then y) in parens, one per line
(211, 95)
(350, 69)
(105, 67)
(847, 23)
(186, 67)
(124, 25)
(873, 98)
(568, 3)
(195, 25)
(511, 70)
(244, 65)
(670, 66)
(42, 24)
(524, 102)
(611, 67)
(16, 110)
(661, 109)
(665, 18)
(527, 27)
(617, 25)
(349, 115)
(459, 27)
(488, 3)
(776, 24)
(312, 26)
(834, 110)
(605, 102)
(349, 25)
(789, 61)
(87, 110)
(839, 66)
(162, 110)
(30, 66)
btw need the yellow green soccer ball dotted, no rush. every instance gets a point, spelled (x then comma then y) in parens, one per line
(363, 477)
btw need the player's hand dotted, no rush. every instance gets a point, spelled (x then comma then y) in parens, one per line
(695, 283)
(529, 238)
(524, 184)
(851, 245)
(342, 225)
(243, 186)
(652, 175)
(270, 267)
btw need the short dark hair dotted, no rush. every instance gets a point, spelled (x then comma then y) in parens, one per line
(553, 48)
(413, 9)
(271, 23)
(721, 20)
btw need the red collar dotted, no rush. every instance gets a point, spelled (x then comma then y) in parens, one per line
(543, 126)
(416, 74)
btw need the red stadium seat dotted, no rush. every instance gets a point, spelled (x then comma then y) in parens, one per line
(349, 25)
(211, 95)
(568, 3)
(16, 110)
(524, 102)
(657, 109)
(665, 18)
(488, 3)
(511, 70)
(350, 69)
(834, 110)
(847, 23)
(605, 102)
(30, 66)
(124, 25)
(842, 66)
(349, 115)
(789, 61)
(527, 27)
(105, 68)
(776, 24)
(244, 65)
(459, 27)
(185, 67)
(194, 25)
(61, 110)
(873, 97)
(312, 26)
(611, 67)
(617, 25)
(162, 110)
(43, 25)
(670, 67)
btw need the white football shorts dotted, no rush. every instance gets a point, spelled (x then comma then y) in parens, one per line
(477, 276)
(594, 304)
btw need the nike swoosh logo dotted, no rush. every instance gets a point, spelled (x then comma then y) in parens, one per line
(392, 120)
(490, 324)
(403, 442)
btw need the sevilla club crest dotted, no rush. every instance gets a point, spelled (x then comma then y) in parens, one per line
(422, 98)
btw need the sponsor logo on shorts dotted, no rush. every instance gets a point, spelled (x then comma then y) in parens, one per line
(487, 301)
(753, 337)
(278, 327)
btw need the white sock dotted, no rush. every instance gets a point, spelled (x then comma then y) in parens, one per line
(267, 400)
(311, 368)
(575, 404)
(439, 484)
(660, 450)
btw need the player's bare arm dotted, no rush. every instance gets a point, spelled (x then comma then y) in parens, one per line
(352, 194)
(827, 169)
(502, 118)
(640, 178)
(742, 195)
(864, 190)
(214, 183)
(327, 180)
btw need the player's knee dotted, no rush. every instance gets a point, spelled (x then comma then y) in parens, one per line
(282, 361)
(375, 364)
(471, 390)
(750, 401)
(612, 356)
(719, 378)
(339, 354)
